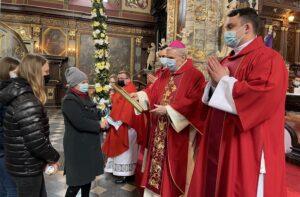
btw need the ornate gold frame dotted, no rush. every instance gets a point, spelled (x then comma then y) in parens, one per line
(43, 39)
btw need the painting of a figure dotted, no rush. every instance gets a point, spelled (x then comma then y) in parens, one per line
(119, 55)
(54, 42)
(86, 59)
(120, 48)
(137, 5)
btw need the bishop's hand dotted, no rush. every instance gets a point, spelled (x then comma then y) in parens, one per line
(159, 110)
(215, 70)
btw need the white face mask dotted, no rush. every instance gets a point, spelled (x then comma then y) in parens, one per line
(13, 74)
(231, 39)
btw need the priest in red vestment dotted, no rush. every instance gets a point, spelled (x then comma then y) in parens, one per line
(125, 133)
(242, 152)
(174, 101)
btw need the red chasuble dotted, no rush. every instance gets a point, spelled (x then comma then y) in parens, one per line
(228, 163)
(166, 166)
(117, 141)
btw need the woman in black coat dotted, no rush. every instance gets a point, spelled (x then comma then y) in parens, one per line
(83, 156)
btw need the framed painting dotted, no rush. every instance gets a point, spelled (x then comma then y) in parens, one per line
(143, 6)
(54, 41)
(85, 56)
(120, 54)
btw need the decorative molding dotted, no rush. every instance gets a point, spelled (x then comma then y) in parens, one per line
(36, 30)
(72, 34)
(31, 19)
(171, 19)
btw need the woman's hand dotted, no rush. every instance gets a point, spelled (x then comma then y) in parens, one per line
(104, 124)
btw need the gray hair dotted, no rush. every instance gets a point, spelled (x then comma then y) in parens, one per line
(179, 51)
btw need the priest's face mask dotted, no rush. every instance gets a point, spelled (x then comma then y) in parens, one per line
(175, 59)
(235, 31)
(123, 79)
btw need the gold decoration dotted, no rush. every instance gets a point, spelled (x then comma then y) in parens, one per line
(199, 55)
(36, 31)
(72, 34)
(19, 51)
(138, 40)
(24, 33)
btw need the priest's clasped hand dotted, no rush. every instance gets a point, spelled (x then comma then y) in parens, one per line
(151, 78)
(159, 110)
(215, 70)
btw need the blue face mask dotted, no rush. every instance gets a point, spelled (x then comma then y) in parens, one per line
(171, 64)
(163, 61)
(231, 39)
(84, 87)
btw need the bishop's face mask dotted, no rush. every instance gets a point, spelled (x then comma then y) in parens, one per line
(231, 39)
(171, 65)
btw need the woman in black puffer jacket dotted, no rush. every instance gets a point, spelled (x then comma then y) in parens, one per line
(8, 68)
(26, 129)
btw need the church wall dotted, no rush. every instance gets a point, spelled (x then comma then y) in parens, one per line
(68, 33)
(202, 29)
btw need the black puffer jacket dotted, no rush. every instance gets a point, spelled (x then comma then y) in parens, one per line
(26, 131)
(3, 84)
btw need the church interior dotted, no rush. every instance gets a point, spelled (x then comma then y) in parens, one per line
(62, 31)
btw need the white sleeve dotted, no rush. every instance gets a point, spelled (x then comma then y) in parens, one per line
(222, 97)
(178, 121)
(116, 124)
(143, 100)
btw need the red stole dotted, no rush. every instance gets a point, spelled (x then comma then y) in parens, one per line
(117, 141)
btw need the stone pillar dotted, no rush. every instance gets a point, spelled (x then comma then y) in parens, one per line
(282, 41)
(285, 42)
(297, 46)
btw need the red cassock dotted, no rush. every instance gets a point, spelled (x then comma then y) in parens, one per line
(228, 163)
(184, 89)
(117, 141)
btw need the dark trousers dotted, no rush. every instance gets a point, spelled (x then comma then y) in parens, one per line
(7, 185)
(31, 186)
(73, 190)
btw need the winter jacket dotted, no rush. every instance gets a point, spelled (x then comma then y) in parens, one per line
(26, 131)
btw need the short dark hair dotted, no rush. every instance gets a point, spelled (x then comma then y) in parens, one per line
(7, 64)
(125, 72)
(248, 15)
(163, 47)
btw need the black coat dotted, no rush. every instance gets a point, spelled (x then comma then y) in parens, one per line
(3, 85)
(26, 131)
(83, 155)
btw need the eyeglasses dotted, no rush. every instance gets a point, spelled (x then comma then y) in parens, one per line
(122, 78)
